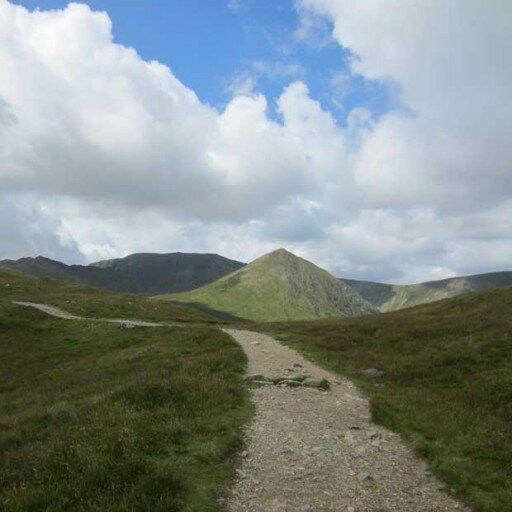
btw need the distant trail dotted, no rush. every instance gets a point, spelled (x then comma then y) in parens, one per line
(60, 313)
(313, 451)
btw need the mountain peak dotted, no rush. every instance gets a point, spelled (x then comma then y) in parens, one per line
(280, 254)
(279, 286)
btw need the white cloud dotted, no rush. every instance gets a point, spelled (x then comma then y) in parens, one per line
(29, 228)
(247, 81)
(112, 154)
(453, 63)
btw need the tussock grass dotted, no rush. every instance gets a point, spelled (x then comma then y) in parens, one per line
(96, 417)
(447, 386)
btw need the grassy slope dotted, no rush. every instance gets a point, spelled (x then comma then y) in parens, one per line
(91, 302)
(96, 417)
(413, 295)
(447, 387)
(278, 286)
(391, 297)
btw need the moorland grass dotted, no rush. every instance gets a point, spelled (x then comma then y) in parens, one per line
(447, 385)
(94, 417)
(94, 303)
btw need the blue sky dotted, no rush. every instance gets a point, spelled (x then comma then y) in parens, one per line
(211, 45)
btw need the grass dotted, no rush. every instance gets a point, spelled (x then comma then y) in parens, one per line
(94, 303)
(96, 417)
(447, 385)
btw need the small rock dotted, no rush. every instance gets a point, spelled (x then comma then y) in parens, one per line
(127, 326)
(351, 509)
(364, 478)
(260, 378)
(312, 382)
(372, 372)
(298, 377)
(290, 383)
(244, 454)
(285, 450)
(255, 343)
(428, 474)
(262, 382)
(7, 285)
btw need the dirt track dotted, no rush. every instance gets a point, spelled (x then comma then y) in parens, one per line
(312, 450)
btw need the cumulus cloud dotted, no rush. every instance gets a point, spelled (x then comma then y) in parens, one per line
(93, 120)
(113, 154)
(446, 149)
(453, 64)
(29, 228)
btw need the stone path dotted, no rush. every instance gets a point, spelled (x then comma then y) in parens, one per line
(60, 313)
(316, 451)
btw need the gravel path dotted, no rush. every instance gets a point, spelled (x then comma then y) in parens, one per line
(60, 313)
(317, 451)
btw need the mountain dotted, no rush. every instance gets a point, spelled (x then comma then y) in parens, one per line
(145, 274)
(279, 286)
(391, 297)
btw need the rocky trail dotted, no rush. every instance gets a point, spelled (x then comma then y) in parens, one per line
(60, 313)
(311, 449)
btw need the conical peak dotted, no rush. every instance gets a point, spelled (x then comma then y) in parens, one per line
(279, 255)
(281, 252)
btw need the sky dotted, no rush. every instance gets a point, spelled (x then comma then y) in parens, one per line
(370, 136)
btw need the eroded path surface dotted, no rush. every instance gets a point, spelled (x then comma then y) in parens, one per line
(60, 313)
(317, 451)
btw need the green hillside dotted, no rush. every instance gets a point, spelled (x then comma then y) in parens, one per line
(447, 385)
(91, 302)
(391, 297)
(94, 416)
(279, 286)
(145, 274)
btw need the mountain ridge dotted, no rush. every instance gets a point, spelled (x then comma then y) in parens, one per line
(163, 273)
(142, 273)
